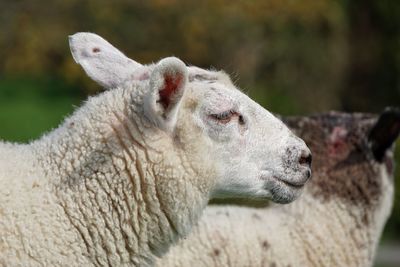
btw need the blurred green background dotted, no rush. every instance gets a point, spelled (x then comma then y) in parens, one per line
(294, 57)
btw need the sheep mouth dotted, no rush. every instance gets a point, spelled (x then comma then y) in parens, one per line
(271, 176)
(297, 185)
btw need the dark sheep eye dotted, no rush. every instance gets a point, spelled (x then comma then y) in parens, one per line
(241, 120)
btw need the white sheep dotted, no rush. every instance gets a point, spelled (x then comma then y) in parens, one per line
(131, 170)
(336, 222)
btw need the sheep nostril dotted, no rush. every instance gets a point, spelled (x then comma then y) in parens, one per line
(306, 158)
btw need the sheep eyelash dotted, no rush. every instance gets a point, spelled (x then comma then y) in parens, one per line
(226, 116)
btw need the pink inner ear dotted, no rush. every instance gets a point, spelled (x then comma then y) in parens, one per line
(171, 85)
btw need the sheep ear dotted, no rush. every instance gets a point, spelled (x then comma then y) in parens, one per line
(167, 86)
(385, 132)
(104, 63)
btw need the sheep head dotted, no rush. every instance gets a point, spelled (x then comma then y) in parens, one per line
(253, 153)
(353, 157)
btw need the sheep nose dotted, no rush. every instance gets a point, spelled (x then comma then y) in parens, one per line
(305, 158)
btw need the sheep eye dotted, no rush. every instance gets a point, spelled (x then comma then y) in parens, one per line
(223, 117)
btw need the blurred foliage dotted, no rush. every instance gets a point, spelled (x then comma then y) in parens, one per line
(294, 57)
(30, 106)
(290, 45)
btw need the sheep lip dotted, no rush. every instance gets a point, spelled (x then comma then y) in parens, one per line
(290, 184)
(295, 185)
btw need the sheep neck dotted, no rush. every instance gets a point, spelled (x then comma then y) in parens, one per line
(127, 194)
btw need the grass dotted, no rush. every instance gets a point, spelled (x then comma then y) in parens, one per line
(29, 107)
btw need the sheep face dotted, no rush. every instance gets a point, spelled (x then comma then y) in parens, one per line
(255, 153)
(353, 157)
(251, 152)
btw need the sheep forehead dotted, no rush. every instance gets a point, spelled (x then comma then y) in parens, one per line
(213, 90)
(343, 165)
(197, 74)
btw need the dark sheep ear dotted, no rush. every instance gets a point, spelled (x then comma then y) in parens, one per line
(384, 132)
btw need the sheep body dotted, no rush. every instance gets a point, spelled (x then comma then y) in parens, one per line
(22, 207)
(242, 236)
(337, 221)
(53, 185)
(126, 175)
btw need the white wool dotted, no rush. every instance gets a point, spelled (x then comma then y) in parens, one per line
(131, 170)
(316, 234)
